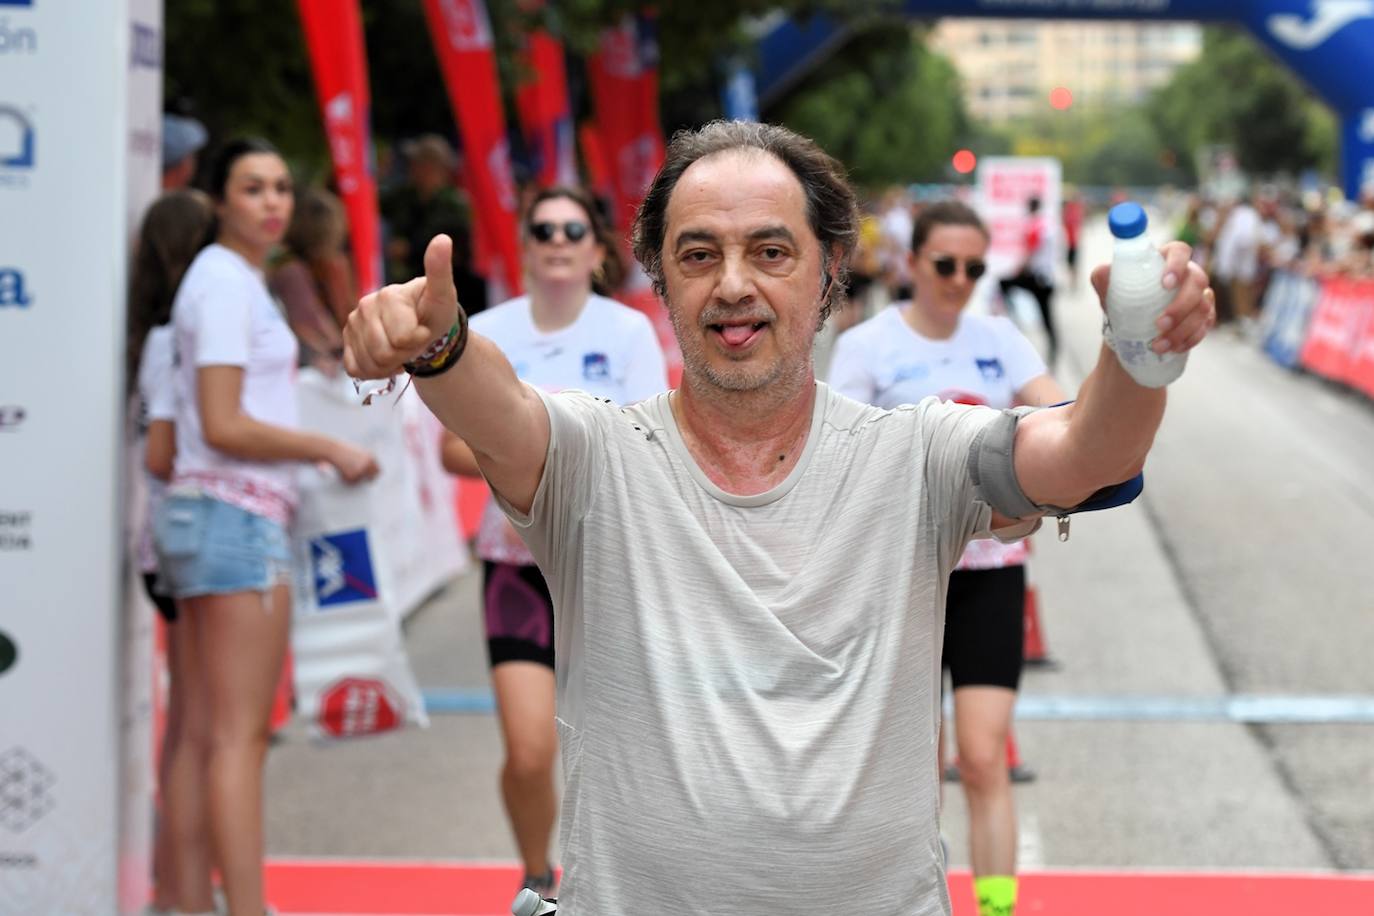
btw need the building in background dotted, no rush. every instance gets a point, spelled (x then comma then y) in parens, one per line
(1010, 66)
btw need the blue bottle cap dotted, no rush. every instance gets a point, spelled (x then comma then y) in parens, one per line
(1127, 220)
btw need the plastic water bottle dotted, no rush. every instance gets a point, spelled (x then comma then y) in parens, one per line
(528, 903)
(1136, 298)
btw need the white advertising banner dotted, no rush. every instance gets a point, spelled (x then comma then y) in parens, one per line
(365, 557)
(1005, 185)
(73, 173)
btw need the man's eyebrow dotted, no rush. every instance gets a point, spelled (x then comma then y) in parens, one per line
(773, 232)
(764, 233)
(688, 236)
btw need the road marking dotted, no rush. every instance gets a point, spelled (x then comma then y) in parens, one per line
(1030, 851)
(1250, 709)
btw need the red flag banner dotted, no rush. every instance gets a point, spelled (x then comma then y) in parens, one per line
(594, 158)
(334, 38)
(545, 114)
(461, 33)
(624, 80)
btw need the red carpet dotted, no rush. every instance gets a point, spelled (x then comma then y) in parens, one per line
(419, 888)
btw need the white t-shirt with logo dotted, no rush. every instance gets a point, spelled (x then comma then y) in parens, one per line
(610, 351)
(224, 316)
(884, 362)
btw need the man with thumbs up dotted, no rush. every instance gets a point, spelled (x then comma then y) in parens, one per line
(749, 572)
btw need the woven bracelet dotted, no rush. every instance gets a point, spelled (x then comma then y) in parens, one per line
(444, 353)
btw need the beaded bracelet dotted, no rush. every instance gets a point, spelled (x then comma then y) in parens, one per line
(444, 353)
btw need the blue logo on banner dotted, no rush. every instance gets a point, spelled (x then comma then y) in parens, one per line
(16, 2)
(595, 367)
(342, 567)
(12, 292)
(17, 39)
(991, 368)
(147, 47)
(16, 139)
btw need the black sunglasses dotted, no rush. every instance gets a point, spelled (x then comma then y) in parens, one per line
(573, 231)
(945, 266)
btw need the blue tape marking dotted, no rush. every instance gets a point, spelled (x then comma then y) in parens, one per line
(1252, 709)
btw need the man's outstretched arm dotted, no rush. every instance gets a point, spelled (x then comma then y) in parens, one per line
(1063, 455)
(502, 419)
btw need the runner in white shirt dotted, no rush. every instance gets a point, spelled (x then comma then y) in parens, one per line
(932, 346)
(559, 336)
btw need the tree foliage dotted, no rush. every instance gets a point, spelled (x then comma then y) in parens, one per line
(884, 105)
(1236, 94)
(242, 66)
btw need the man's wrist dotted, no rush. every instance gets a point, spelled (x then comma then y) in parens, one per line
(443, 354)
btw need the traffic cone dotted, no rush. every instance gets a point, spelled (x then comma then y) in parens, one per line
(1036, 652)
(1015, 767)
(285, 697)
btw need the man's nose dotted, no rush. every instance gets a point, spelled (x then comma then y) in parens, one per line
(736, 282)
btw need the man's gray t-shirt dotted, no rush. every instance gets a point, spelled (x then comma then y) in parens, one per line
(748, 686)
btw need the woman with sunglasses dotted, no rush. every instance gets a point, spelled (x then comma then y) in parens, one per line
(562, 334)
(932, 346)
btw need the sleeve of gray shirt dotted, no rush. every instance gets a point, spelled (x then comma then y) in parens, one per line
(572, 466)
(949, 434)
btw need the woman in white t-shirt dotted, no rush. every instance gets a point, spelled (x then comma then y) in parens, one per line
(932, 346)
(221, 531)
(561, 335)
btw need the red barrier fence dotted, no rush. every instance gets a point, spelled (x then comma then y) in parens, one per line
(1325, 326)
(1340, 338)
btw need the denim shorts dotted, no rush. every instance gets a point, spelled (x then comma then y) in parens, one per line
(208, 547)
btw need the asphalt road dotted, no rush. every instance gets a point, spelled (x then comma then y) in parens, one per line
(1246, 568)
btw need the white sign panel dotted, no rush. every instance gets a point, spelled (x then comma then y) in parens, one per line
(67, 157)
(1005, 185)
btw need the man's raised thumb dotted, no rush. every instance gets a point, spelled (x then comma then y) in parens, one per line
(440, 293)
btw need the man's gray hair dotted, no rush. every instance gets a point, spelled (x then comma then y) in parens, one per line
(830, 206)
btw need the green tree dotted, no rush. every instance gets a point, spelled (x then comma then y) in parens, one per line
(1236, 94)
(241, 68)
(884, 105)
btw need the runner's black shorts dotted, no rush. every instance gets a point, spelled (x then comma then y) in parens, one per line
(984, 628)
(518, 614)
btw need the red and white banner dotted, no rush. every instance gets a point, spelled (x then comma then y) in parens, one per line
(1340, 336)
(1005, 185)
(364, 558)
(545, 113)
(624, 81)
(334, 37)
(461, 32)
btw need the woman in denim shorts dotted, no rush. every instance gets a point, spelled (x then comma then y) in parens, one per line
(221, 532)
